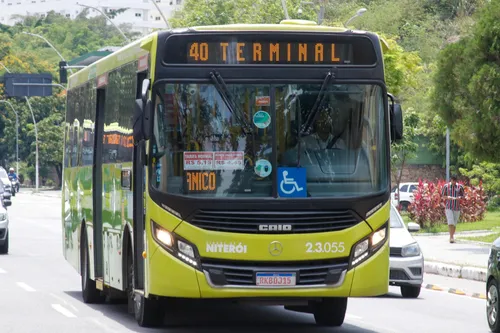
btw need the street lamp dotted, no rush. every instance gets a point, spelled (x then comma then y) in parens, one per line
(107, 18)
(46, 41)
(17, 133)
(36, 134)
(358, 13)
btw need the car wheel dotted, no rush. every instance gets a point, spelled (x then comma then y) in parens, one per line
(492, 306)
(404, 205)
(4, 249)
(410, 291)
(330, 311)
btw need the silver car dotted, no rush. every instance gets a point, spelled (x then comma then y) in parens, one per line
(406, 259)
(4, 230)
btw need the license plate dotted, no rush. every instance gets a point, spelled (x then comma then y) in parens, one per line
(275, 279)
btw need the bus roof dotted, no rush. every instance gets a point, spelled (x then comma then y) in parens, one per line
(140, 47)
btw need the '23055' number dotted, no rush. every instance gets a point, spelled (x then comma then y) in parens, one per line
(327, 247)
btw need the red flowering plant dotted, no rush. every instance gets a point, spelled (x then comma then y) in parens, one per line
(429, 205)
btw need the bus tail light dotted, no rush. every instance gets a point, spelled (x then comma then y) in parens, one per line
(368, 246)
(176, 245)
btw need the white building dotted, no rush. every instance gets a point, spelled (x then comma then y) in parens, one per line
(141, 14)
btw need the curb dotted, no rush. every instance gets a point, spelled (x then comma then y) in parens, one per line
(456, 271)
(454, 291)
(467, 241)
(41, 194)
(461, 233)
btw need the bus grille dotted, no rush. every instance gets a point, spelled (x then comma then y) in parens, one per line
(248, 222)
(242, 273)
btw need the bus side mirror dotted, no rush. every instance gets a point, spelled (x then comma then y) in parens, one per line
(396, 122)
(143, 114)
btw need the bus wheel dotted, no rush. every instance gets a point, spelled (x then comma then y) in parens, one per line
(90, 293)
(147, 311)
(330, 311)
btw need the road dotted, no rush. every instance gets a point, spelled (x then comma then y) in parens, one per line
(40, 292)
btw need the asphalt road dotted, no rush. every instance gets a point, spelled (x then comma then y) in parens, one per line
(40, 292)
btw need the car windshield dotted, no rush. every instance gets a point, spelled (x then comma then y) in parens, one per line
(396, 221)
(257, 142)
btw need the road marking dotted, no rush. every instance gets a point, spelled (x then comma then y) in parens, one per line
(60, 299)
(2, 271)
(25, 286)
(352, 316)
(62, 310)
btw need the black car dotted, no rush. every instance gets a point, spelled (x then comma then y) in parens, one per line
(493, 274)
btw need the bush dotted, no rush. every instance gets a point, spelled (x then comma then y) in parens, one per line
(494, 204)
(428, 206)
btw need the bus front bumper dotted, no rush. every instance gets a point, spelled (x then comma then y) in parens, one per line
(171, 277)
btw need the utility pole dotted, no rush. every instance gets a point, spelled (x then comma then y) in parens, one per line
(321, 14)
(447, 154)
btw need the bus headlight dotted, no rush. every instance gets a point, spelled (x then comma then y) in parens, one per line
(368, 246)
(164, 237)
(176, 245)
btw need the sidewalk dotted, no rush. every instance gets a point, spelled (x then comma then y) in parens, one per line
(462, 259)
(42, 192)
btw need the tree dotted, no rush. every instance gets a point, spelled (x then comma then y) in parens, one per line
(406, 149)
(210, 12)
(467, 86)
(26, 54)
(486, 173)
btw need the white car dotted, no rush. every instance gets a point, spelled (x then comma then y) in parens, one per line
(4, 230)
(405, 195)
(406, 259)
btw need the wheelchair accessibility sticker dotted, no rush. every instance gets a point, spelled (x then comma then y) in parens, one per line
(292, 182)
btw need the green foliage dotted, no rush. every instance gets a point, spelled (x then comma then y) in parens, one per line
(406, 148)
(486, 173)
(211, 12)
(468, 86)
(401, 67)
(28, 54)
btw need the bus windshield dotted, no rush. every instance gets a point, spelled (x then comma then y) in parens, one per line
(200, 146)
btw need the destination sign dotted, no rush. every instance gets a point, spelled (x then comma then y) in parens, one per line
(200, 181)
(271, 48)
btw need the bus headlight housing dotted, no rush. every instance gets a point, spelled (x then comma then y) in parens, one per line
(368, 246)
(176, 245)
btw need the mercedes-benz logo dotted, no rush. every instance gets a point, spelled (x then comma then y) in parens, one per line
(275, 248)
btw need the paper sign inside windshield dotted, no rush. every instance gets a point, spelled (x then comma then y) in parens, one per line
(219, 160)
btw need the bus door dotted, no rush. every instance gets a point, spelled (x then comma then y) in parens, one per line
(138, 188)
(97, 187)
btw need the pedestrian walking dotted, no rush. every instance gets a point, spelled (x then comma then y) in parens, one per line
(453, 193)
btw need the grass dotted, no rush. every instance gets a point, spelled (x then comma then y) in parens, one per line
(491, 220)
(485, 239)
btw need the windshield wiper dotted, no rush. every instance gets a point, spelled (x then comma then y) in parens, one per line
(221, 87)
(306, 127)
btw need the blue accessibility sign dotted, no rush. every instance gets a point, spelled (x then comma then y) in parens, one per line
(292, 182)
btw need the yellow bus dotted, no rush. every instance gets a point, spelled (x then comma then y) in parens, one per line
(234, 162)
